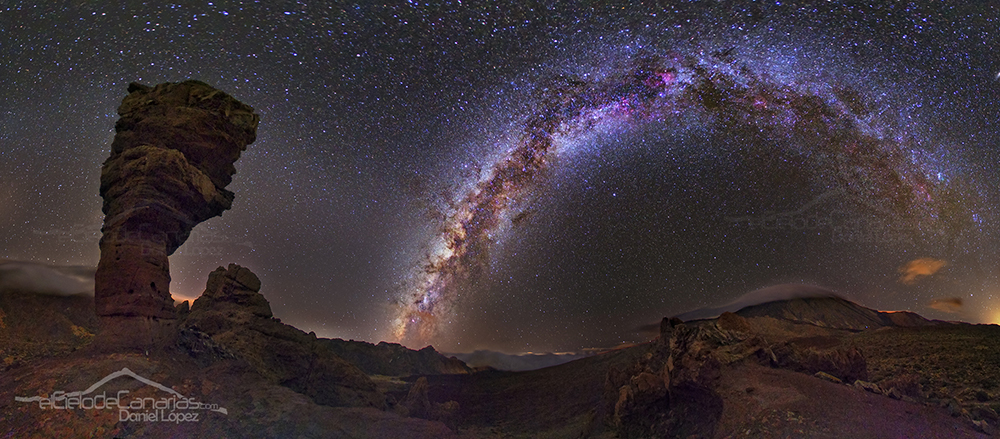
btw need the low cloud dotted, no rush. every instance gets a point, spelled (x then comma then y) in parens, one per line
(946, 304)
(57, 280)
(917, 269)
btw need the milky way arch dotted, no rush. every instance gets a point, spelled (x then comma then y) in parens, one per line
(831, 127)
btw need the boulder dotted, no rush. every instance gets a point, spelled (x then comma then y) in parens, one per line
(417, 404)
(848, 364)
(869, 386)
(235, 288)
(827, 377)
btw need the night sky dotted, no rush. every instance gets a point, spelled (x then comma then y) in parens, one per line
(537, 177)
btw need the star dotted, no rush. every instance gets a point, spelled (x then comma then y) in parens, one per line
(498, 176)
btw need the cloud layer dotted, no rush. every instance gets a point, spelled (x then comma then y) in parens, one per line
(40, 278)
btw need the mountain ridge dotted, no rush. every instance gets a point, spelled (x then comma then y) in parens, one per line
(833, 312)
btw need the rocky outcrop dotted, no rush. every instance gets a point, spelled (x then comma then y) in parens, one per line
(741, 338)
(847, 364)
(171, 159)
(671, 392)
(417, 404)
(237, 319)
(235, 289)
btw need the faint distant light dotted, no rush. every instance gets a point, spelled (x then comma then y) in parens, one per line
(288, 13)
(225, 13)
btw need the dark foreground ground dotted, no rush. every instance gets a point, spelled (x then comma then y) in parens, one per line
(742, 377)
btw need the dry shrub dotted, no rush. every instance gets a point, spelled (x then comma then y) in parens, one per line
(906, 384)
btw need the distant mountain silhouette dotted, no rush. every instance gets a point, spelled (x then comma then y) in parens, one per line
(809, 304)
(518, 362)
(832, 312)
(759, 296)
(393, 359)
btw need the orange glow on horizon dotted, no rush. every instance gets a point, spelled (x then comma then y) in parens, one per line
(994, 317)
(178, 298)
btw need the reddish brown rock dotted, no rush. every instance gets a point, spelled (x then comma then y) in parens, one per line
(232, 319)
(845, 363)
(732, 322)
(172, 157)
(671, 391)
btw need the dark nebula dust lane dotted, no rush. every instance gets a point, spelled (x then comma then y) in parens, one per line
(530, 176)
(844, 145)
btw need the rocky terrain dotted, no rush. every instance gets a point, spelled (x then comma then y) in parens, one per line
(225, 349)
(735, 376)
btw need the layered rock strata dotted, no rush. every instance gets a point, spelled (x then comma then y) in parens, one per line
(171, 159)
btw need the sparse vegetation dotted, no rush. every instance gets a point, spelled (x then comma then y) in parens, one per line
(960, 362)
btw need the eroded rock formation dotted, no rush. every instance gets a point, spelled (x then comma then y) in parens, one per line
(674, 390)
(171, 159)
(671, 392)
(238, 323)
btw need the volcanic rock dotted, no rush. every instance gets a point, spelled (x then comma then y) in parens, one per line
(804, 355)
(236, 288)
(674, 390)
(171, 159)
(868, 386)
(671, 391)
(237, 319)
(828, 377)
(416, 404)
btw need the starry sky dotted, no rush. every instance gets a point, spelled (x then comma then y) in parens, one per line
(525, 176)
